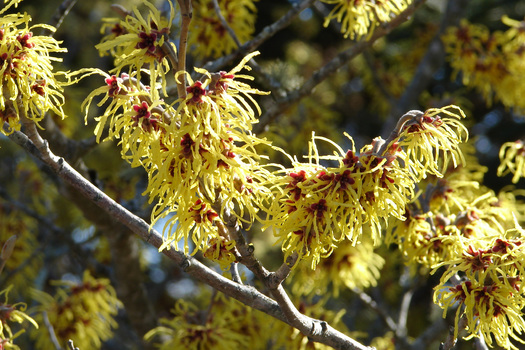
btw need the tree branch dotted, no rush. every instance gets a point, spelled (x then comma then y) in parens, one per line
(61, 13)
(186, 14)
(267, 80)
(264, 35)
(380, 310)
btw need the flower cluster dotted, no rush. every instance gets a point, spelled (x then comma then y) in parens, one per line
(28, 84)
(9, 314)
(316, 207)
(428, 238)
(512, 157)
(449, 212)
(459, 226)
(493, 63)
(351, 266)
(141, 44)
(83, 312)
(194, 329)
(208, 157)
(209, 37)
(197, 153)
(221, 251)
(490, 293)
(359, 18)
(431, 141)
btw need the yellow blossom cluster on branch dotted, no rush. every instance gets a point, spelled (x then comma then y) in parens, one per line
(28, 84)
(350, 266)
(141, 44)
(208, 36)
(460, 225)
(191, 328)
(83, 312)
(450, 210)
(512, 157)
(208, 182)
(359, 18)
(11, 314)
(489, 293)
(490, 62)
(198, 150)
(315, 207)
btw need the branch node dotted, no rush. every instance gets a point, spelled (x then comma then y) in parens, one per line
(186, 264)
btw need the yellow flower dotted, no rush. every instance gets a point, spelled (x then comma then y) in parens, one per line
(9, 4)
(490, 62)
(350, 266)
(359, 18)
(83, 312)
(136, 116)
(28, 85)
(207, 35)
(220, 250)
(420, 243)
(316, 207)
(430, 141)
(385, 342)
(490, 293)
(196, 154)
(11, 313)
(512, 157)
(142, 44)
(191, 329)
(491, 311)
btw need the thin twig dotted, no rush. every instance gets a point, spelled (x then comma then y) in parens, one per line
(260, 38)
(379, 309)
(51, 331)
(186, 14)
(277, 277)
(479, 343)
(431, 334)
(61, 13)
(369, 60)
(234, 270)
(451, 340)
(71, 345)
(408, 117)
(225, 23)
(267, 80)
(401, 331)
